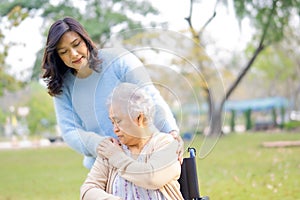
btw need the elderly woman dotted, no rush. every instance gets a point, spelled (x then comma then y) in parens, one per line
(144, 165)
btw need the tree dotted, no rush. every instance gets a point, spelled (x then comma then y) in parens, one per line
(270, 19)
(8, 82)
(290, 48)
(278, 68)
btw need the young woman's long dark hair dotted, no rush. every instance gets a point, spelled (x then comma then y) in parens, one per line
(54, 68)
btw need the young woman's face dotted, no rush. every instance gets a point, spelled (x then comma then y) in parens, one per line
(73, 51)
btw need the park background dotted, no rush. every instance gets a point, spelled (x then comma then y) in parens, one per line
(228, 69)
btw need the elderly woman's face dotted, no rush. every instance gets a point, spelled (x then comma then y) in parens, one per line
(73, 51)
(125, 127)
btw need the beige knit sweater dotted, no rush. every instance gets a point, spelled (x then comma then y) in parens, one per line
(160, 171)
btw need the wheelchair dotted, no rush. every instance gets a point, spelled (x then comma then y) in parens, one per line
(188, 179)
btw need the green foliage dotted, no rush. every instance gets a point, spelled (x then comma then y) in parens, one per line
(2, 118)
(275, 64)
(41, 120)
(8, 6)
(258, 12)
(59, 10)
(8, 83)
(37, 67)
(291, 125)
(14, 14)
(275, 72)
(42, 115)
(102, 16)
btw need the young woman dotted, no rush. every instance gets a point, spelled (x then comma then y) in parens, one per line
(144, 165)
(80, 77)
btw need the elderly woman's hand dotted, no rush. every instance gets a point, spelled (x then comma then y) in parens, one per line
(180, 149)
(108, 147)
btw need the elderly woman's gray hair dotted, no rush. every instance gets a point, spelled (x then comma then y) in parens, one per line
(132, 100)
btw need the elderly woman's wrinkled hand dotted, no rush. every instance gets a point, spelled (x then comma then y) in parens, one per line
(108, 147)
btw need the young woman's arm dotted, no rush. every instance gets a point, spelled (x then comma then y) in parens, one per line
(71, 128)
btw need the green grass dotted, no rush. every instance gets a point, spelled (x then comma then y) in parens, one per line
(48, 173)
(237, 168)
(240, 168)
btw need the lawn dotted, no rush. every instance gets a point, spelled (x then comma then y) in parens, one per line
(237, 168)
(43, 174)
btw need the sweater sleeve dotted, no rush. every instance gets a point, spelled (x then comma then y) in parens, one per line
(136, 73)
(71, 128)
(161, 167)
(95, 184)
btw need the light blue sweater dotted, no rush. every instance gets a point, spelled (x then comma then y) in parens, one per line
(81, 110)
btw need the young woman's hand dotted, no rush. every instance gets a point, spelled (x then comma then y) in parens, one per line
(180, 149)
(108, 147)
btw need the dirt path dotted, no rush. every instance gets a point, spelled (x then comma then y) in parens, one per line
(281, 143)
(23, 144)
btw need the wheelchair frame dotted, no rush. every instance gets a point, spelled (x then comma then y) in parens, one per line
(188, 180)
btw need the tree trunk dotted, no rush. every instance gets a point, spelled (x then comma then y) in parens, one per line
(217, 110)
(216, 122)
